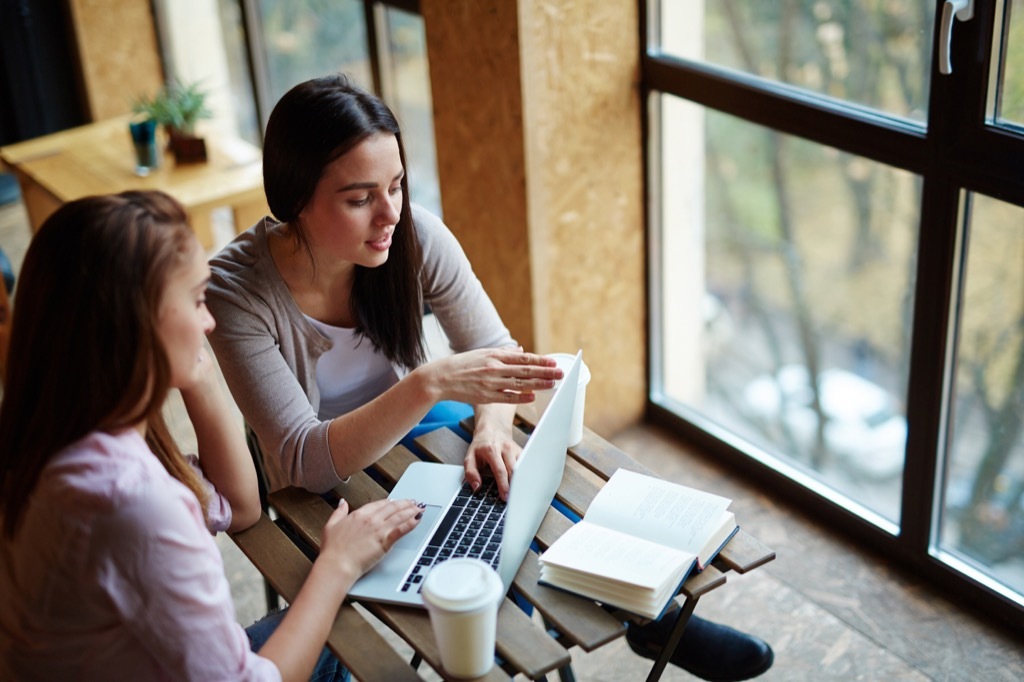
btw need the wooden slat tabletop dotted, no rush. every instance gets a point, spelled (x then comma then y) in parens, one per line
(743, 553)
(584, 623)
(527, 648)
(352, 639)
(523, 646)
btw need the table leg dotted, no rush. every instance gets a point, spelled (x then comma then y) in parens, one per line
(673, 640)
(565, 673)
(248, 214)
(202, 225)
(39, 203)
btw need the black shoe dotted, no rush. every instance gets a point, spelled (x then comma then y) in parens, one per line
(708, 650)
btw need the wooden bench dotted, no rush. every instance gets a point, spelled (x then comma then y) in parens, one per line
(523, 647)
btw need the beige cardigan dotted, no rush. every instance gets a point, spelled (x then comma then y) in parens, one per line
(268, 351)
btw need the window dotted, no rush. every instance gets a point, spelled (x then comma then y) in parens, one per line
(250, 52)
(836, 249)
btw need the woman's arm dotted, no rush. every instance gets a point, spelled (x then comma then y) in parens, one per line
(469, 320)
(493, 447)
(163, 576)
(268, 365)
(315, 454)
(352, 544)
(268, 356)
(223, 454)
(507, 376)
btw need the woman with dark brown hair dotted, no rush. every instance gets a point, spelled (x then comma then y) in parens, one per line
(109, 568)
(320, 307)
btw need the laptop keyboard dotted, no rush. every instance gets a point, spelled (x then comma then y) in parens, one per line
(471, 528)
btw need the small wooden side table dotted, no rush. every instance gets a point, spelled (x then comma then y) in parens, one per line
(99, 158)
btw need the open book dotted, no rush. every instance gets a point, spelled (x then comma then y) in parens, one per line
(640, 539)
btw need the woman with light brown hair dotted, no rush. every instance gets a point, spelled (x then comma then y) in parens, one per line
(109, 567)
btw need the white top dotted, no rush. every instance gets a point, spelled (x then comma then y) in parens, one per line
(351, 373)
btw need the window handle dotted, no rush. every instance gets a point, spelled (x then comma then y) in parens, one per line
(964, 10)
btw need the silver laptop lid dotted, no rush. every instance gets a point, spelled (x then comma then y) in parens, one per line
(537, 475)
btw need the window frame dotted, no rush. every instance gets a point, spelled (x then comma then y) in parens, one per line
(373, 15)
(959, 150)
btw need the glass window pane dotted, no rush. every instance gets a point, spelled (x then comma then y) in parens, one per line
(239, 80)
(1008, 61)
(203, 42)
(983, 519)
(784, 298)
(405, 82)
(869, 52)
(303, 39)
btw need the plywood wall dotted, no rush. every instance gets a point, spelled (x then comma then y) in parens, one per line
(118, 53)
(478, 122)
(537, 120)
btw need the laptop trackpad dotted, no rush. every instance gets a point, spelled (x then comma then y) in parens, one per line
(415, 538)
(393, 566)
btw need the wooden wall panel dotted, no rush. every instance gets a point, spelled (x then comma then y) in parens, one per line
(537, 118)
(118, 53)
(473, 50)
(585, 185)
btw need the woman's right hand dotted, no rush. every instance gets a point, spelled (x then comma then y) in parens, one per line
(358, 539)
(491, 375)
(351, 543)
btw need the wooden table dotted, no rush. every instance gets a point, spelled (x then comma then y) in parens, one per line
(522, 646)
(99, 158)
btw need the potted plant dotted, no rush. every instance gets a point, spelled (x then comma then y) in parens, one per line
(178, 107)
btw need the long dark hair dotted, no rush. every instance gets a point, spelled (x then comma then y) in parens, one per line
(311, 126)
(85, 354)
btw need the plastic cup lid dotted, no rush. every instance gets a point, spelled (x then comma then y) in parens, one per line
(462, 585)
(564, 361)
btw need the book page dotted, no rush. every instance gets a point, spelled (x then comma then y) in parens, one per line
(646, 603)
(657, 510)
(615, 556)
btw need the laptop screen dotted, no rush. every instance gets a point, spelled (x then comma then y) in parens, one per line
(538, 474)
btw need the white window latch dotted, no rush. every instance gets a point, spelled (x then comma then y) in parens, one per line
(964, 10)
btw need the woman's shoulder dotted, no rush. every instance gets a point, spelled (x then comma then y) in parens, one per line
(244, 254)
(436, 239)
(103, 471)
(114, 481)
(243, 277)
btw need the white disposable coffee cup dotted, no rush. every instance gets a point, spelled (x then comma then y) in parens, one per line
(565, 361)
(462, 597)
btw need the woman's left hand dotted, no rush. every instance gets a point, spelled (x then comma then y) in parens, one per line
(203, 376)
(492, 448)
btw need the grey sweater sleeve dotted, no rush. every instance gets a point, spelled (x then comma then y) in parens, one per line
(453, 291)
(267, 353)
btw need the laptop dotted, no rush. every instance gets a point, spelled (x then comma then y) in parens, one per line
(498, 532)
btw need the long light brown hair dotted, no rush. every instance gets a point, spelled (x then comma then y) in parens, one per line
(85, 355)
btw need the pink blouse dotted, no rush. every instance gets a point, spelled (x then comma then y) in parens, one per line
(113, 574)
